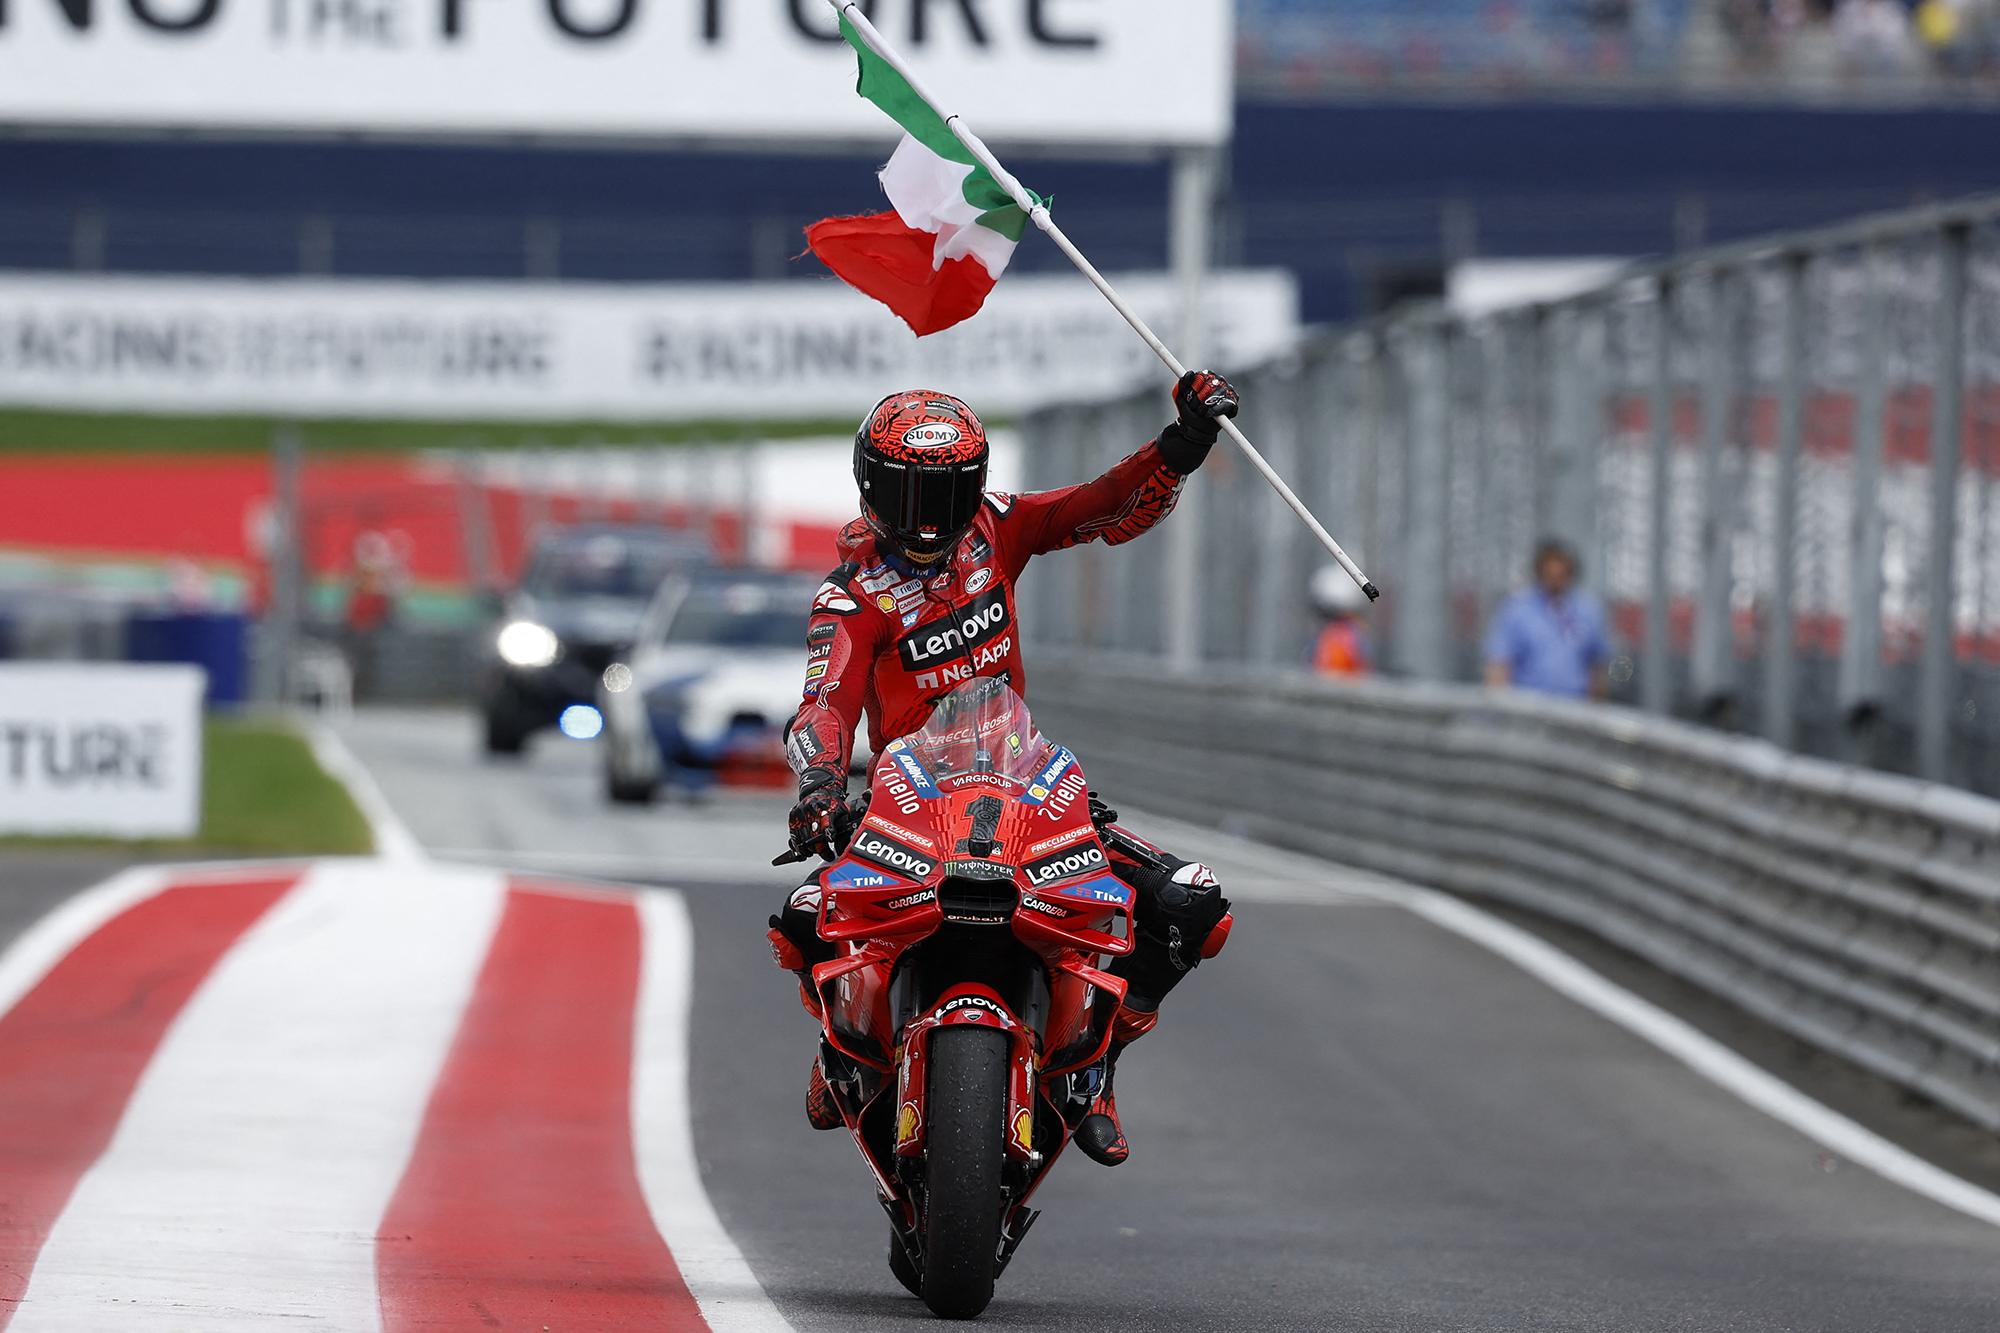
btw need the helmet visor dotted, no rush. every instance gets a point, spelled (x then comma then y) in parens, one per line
(921, 505)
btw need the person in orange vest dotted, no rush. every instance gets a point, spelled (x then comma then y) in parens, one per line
(1341, 647)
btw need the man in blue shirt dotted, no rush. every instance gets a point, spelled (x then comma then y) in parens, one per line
(1549, 637)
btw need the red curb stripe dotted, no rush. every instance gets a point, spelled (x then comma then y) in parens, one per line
(73, 1048)
(521, 1206)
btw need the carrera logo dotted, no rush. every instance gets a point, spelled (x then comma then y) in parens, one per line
(1034, 904)
(910, 900)
(931, 435)
(1063, 864)
(966, 630)
(888, 852)
(978, 579)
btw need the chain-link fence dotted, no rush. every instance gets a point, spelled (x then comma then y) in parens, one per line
(1741, 444)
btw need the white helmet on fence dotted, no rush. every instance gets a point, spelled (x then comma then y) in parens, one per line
(1334, 592)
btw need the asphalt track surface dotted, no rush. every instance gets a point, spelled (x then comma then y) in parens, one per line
(1351, 1119)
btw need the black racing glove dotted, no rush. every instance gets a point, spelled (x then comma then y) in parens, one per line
(820, 822)
(1201, 397)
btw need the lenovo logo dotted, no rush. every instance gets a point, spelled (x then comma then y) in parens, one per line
(963, 632)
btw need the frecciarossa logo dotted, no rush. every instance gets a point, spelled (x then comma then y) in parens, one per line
(964, 630)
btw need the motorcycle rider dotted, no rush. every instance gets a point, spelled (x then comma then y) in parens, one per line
(923, 601)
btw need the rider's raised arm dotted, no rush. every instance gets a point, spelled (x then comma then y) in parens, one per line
(1138, 491)
(840, 654)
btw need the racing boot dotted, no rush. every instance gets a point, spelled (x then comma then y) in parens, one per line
(1099, 1134)
(788, 956)
(821, 1112)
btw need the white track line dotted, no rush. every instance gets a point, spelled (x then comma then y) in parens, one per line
(730, 1297)
(1706, 1056)
(1332, 884)
(393, 839)
(246, 1182)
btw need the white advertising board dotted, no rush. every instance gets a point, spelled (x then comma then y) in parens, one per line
(100, 748)
(1054, 71)
(582, 351)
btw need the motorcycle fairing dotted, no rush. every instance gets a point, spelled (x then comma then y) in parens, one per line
(966, 1004)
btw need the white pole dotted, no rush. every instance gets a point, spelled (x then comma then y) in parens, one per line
(1188, 247)
(1039, 215)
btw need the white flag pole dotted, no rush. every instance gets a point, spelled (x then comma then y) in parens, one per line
(1039, 214)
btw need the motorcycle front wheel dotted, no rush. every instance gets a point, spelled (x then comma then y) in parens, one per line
(968, 1110)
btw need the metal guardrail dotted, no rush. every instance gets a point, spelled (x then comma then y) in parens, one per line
(1742, 442)
(1858, 911)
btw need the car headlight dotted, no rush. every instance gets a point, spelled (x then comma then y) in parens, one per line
(523, 643)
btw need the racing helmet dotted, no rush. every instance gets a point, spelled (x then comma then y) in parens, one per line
(920, 461)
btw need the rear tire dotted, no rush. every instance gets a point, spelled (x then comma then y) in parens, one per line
(967, 1149)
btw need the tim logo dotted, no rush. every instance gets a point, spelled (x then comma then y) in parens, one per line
(931, 435)
(967, 629)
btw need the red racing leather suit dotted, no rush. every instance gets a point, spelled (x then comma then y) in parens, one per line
(891, 643)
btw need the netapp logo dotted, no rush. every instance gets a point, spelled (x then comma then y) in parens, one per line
(1062, 864)
(968, 628)
(888, 852)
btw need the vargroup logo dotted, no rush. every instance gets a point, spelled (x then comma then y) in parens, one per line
(931, 435)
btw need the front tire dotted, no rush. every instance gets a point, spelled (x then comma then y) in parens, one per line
(967, 1149)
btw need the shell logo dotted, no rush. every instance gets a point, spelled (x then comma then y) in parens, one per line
(1024, 1130)
(907, 1124)
(886, 602)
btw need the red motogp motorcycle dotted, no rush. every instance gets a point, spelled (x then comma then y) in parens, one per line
(965, 1022)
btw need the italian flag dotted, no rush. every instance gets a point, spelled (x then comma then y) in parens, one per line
(953, 228)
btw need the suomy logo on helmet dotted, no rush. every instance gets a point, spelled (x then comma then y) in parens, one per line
(931, 435)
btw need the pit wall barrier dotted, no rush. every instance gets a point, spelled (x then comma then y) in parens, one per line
(1855, 910)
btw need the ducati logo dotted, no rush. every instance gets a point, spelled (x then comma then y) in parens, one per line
(931, 435)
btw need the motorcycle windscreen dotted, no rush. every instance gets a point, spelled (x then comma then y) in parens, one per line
(980, 727)
(926, 502)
